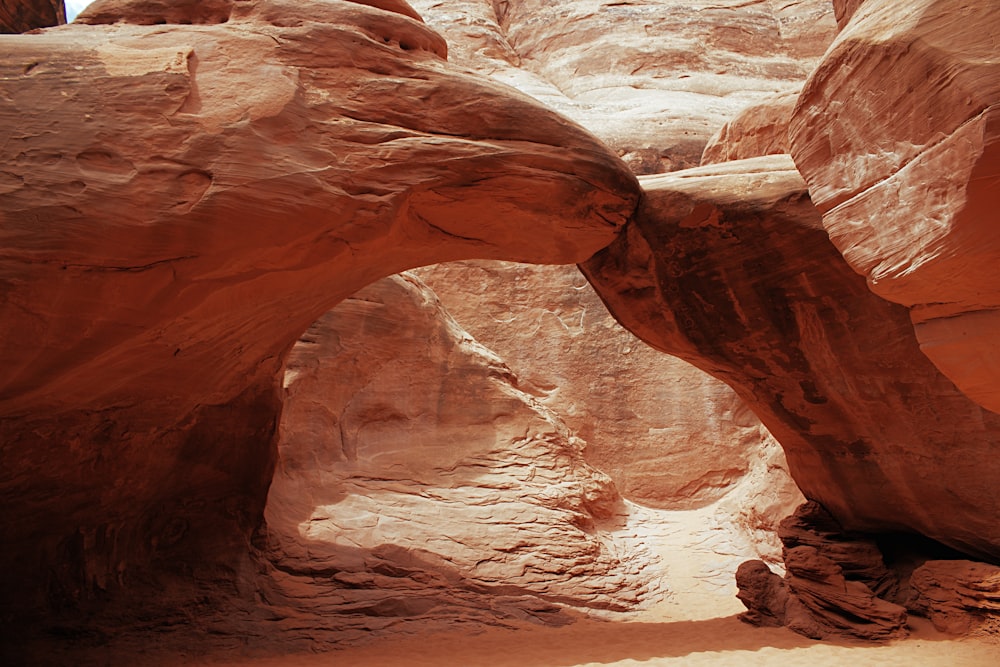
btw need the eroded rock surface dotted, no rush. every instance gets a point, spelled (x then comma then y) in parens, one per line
(896, 133)
(668, 434)
(728, 266)
(416, 481)
(654, 79)
(836, 584)
(178, 203)
(957, 595)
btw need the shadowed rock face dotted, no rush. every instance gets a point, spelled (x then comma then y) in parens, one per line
(729, 268)
(24, 15)
(179, 202)
(897, 133)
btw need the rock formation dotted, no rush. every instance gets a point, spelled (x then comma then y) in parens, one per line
(416, 481)
(668, 434)
(896, 135)
(836, 583)
(24, 15)
(178, 204)
(957, 595)
(728, 267)
(654, 79)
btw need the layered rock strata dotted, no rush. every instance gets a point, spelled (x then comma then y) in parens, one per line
(729, 267)
(179, 203)
(416, 481)
(836, 583)
(654, 79)
(959, 596)
(896, 133)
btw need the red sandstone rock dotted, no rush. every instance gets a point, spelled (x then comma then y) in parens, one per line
(177, 204)
(896, 133)
(728, 266)
(406, 446)
(24, 15)
(836, 583)
(760, 129)
(654, 79)
(957, 595)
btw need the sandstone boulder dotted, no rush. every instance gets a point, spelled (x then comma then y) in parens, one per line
(896, 133)
(728, 267)
(760, 129)
(177, 204)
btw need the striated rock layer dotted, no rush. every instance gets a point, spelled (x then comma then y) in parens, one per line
(654, 79)
(177, 204)
(728, 267)
(897, 133)
(416, 481)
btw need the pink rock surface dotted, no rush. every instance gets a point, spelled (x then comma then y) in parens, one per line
(760, 129)
(896, 133)
(406, 446)
(670, 435)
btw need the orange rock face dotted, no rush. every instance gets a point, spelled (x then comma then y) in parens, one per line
(897, 135)
(412, 467)
(178, 203)
(728, 266)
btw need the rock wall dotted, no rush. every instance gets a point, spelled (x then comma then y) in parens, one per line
(653, 79)
(668, 434)
(416, 481)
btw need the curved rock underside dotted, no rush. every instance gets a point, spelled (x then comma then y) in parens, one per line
(415, 480)
(897, 133)
(178, 203)
(654, 79)
(728, 267)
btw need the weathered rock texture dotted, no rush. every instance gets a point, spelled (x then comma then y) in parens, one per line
(24, 15)
(896, 133)
(178, 203)
(957, 595)
(416, 481)
(760, 129)
(728, 267)
(836, 583)
(668, 434)
(654, 79)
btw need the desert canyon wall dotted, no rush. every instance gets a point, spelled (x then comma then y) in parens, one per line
(190, 186)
